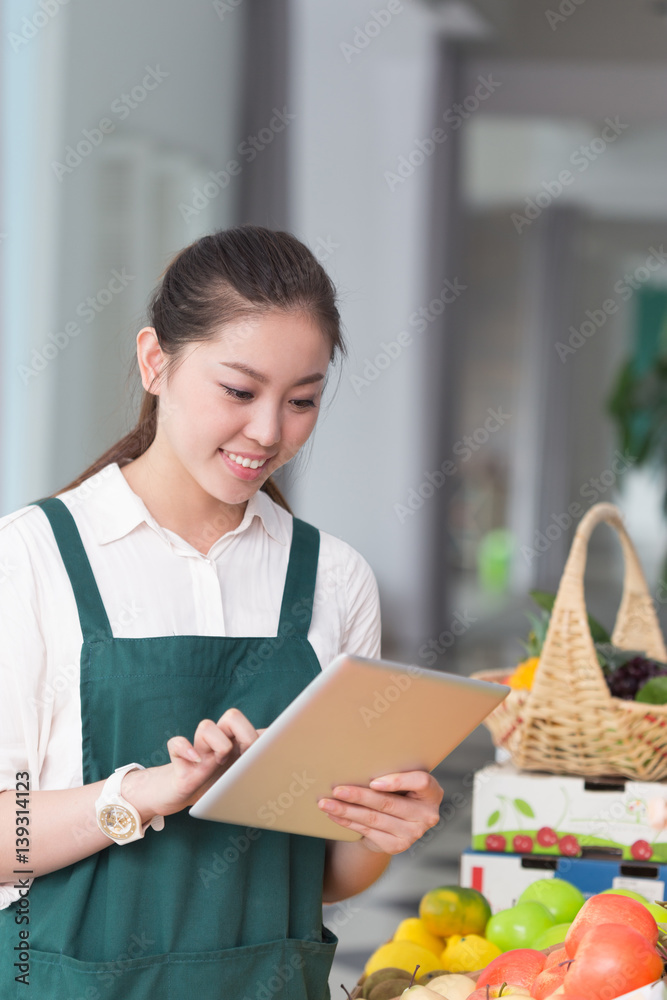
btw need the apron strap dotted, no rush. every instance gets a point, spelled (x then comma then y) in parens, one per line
(297, 606)
(94, 621)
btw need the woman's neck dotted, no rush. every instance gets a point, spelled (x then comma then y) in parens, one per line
(172, 501)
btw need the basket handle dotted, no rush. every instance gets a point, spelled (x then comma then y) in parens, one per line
(636, 624)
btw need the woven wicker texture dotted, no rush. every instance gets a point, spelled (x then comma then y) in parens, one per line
(569, 723)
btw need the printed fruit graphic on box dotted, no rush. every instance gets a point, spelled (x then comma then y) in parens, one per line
(530, 813)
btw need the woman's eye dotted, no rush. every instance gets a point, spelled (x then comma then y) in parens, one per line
(303, 404)
(237, 393)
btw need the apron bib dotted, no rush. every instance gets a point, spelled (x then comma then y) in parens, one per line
(203, 910)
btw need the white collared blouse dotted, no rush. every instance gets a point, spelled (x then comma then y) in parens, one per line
(152, 582)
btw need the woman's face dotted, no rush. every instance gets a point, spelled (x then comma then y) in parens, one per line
(238, 407)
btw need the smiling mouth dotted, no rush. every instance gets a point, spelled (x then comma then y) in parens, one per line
(245, 463)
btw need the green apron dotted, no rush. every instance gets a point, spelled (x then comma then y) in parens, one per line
(200, 909)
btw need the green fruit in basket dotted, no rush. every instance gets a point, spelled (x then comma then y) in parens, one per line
(553, 935)
(654, 692)
(561, 898)
(519, 926)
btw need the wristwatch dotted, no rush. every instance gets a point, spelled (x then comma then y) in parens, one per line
(116, 817)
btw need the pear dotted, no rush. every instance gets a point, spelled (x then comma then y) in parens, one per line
(420, 993)
(453, 986)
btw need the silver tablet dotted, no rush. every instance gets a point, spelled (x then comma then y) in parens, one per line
(357, 720)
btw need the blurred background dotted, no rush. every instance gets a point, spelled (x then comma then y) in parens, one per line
(486, 183)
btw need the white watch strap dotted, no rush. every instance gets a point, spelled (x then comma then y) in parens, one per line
(112, 788)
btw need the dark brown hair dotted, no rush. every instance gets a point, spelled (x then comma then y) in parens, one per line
(222, 277)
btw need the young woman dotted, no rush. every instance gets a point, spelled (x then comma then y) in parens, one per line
(156, 615)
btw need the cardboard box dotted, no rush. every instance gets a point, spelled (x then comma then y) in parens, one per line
(503, 877)
(528, 812)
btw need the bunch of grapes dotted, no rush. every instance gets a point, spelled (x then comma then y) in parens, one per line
(625, 681)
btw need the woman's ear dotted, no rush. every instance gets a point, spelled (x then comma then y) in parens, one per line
(150, 357)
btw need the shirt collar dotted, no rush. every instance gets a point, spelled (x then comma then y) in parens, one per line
(116, 509)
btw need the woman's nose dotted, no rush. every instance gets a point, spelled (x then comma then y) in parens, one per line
(264, 426)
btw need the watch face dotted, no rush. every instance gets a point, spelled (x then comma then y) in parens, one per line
(118, 822)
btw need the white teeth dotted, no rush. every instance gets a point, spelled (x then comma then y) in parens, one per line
(247, 463)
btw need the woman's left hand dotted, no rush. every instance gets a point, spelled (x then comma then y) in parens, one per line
(388, 820)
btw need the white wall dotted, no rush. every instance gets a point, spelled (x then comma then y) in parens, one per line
(190, 117)
(354, 119)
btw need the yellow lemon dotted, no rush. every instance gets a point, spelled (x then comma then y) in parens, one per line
(402, 955)
(468, 953)
(413, 929)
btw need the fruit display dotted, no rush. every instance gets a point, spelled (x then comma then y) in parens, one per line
(605, 947)
(630, 674)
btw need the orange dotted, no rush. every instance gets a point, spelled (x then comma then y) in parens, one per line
(451, 909)
(524, 675)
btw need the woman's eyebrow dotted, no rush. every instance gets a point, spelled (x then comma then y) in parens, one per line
(247, 370)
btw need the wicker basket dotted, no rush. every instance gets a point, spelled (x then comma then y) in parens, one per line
(569, 723)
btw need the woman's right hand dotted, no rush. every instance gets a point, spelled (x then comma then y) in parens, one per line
(194, 766)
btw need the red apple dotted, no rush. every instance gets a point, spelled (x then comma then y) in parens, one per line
(508, 991)
(554, 957)
(521, 966)
(610, 909)
(548, 981)
(612, 959)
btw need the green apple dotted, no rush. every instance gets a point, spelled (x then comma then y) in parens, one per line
(659, 913)
(561, 898)
(553, 935)
(519, 926)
